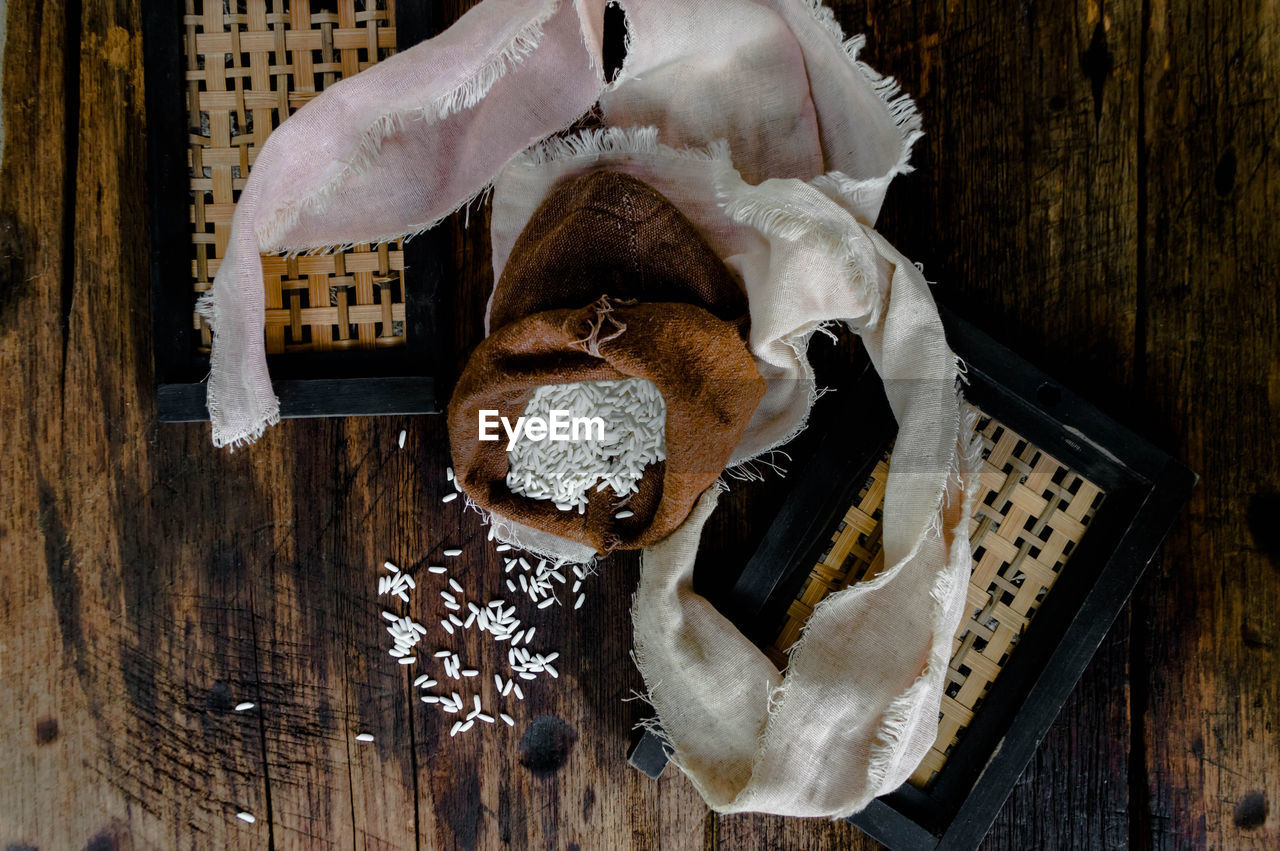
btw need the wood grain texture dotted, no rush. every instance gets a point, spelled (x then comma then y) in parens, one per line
(1028, 179)
(1208, 618)
(1095, 188)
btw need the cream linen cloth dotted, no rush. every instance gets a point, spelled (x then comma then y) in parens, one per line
(758, 120)
(858, 707)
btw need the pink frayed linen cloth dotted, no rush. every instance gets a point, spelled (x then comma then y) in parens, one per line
(388, 153)
(757, 119)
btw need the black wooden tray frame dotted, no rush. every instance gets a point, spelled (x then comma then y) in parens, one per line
(1145, 489)
(408, 379)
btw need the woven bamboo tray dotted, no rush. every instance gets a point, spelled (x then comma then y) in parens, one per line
(1032, 512)
(246, 71)
(350, 332)
(1071, 508)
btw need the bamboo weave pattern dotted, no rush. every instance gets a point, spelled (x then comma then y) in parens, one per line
(1031, 514)
(249, 65)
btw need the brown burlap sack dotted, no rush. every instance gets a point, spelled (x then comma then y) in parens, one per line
(610, 281)
(607, 232)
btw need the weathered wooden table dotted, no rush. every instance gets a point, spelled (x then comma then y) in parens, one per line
(1097, 188)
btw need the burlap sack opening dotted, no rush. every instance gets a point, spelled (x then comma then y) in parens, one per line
(708, 381)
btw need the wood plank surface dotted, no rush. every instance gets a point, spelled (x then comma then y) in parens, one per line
(1028, 179)
(1208, 618)
(1095, 189)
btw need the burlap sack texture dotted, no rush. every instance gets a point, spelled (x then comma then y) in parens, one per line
(610, 281)
(609, 233)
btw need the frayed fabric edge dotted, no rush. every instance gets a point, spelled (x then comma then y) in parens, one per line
(745, 469)
(675, 755)
(273, 232)
(894, 725)
(748, 469)
(209, 309)
(901, 107)
(505, 532)
(857, 196)
(652, 724)
(634, 142)
(747, 205)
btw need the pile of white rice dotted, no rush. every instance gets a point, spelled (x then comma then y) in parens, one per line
(565, 471)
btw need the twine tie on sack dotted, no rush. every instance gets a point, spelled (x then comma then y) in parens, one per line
(603, 308)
